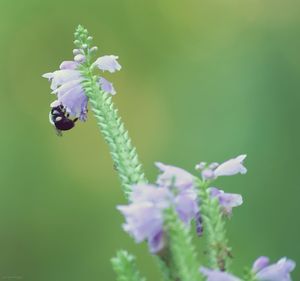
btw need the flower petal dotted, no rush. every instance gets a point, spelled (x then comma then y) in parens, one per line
(60, 77)
(66, 87)
(260, 263)
(216, 275)
(75, 102)
(227, 200)
(186, 205)
(48, 76)
(108, 63)
(143, 221)
(279, 271)
(72, 65)
(106, 86)
(231, 167)
(174, 176)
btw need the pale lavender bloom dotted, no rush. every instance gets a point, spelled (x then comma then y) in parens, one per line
(59, 77)
(216, 275)
(144, 216)
(227, 200)
(260, 263)
(186, 205)
(279, 271)
(66, 83)
(208, 174)
(68, 65)
(174, 176)
(108, 63)
(231, 167)
(79, 58)
(106, 86)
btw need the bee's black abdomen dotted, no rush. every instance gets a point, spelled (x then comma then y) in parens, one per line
(61, 120)
(64, 124)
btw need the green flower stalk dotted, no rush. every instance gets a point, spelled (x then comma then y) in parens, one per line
(123, 153)
(125, 267)
(218, 251)
(183, 254)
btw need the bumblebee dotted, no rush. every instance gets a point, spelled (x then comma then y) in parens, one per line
(59, 118)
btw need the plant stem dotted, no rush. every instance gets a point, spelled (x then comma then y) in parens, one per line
(123, 153)
(218, 250)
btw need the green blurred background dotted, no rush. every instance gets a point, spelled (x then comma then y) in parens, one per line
(201, 80)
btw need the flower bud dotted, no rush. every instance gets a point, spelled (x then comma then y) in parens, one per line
(94, 49)
(208, 174)
(200, 166)
(79, 58)
(76, 52)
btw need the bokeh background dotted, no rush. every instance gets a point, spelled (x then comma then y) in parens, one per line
(201, 80)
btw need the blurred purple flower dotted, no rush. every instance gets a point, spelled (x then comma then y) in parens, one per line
(216, 275)
(260, 263)
(228, 168)
(107, 86)
(279, 271)
(144, 215)
(172, 175)
(227, 200)
(231, 167)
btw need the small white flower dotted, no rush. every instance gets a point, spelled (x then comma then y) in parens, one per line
(107, 63)
(231, 167)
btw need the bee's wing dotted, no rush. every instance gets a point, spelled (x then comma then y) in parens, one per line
(57, 132)
(50, 119)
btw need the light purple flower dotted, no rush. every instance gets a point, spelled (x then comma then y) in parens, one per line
(79, 58)
(216, 275)
(228, 168)
(172, 175)
(144, 216)
(69, 65)
(231, 167)
(279, 271)
(260, 263)
(227, 200)
(106, 86)
(108, 63)
(66, 83)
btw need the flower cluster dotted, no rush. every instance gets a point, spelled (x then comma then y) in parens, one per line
(261, 269)
(145, 215)
(67, 82)
(174, 188)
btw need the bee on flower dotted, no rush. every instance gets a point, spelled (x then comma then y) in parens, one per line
(71, 103)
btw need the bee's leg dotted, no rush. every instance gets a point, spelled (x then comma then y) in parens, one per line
(74, 120)
(58, 132)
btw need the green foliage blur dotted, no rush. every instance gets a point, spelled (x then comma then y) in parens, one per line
(201, 80)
